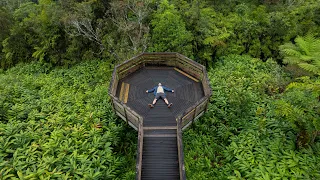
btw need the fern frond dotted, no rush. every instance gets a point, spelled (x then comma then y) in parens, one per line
(317, 45)
(293, 85)
(288, 46)
(298, 111)
(291, 52)
(291, 60)
(314, 47)
(316, 123)
(304, 79)
(303, 45)
(309, 38)
(309, 67)
(316, 63)
(306, 58)
(284, 108)
(305, 53)
(310, 42)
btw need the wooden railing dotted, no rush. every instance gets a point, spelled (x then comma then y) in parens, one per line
(129, 66)
(182, 170)
(173, 60)
(139, 152)
(126, 113)
(136, 121)
(206, 84)
(159, 59)
(198, 109)
(194, 112)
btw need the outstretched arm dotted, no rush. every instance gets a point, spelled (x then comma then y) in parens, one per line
(150, 90)
(168, 89)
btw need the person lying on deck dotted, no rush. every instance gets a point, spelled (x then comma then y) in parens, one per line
(159, 92)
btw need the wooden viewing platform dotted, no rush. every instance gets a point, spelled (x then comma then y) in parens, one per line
(160, 147)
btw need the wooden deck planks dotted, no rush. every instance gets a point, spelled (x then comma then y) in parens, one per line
(187, 91)
(160, 127)
(160, 156)
(187, 75)
(160, 135)
(121, 92)
(124, 92)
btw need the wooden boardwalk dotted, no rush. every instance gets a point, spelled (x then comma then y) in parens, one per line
(160, 155)
(160, 151)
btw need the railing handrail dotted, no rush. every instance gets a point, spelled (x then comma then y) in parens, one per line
(182, 170)
(165, 58)
(177, 57)
(128, 60)
(112, 82)
(139, 152)
(170, 59)
(207, 81)
(194, 106)
(140, 118)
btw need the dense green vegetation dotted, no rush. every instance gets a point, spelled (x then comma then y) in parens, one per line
(56, 58)
(59, 124)
(66, 32)
(251, 128)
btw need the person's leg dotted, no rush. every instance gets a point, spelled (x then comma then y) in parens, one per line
(163, 96)
(154, 101)
(167, 102)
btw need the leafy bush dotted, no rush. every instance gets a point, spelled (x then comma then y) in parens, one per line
(304, 53)
(59, 124)
(241, 136)
(300, 106)
(169, 32)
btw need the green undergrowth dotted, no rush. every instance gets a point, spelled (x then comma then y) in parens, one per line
(59, 124)
(241, 136)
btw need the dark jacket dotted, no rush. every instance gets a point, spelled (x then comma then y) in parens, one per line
(154, 90)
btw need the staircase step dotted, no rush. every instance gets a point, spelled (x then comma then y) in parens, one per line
(160, 133)
(160, 154)
(159, 127)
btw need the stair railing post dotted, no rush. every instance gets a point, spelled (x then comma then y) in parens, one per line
(182, 170)
(139, 152)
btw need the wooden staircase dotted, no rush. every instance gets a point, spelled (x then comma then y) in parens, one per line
(160, 147)
(160, 154)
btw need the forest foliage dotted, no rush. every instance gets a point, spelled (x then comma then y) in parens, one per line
(256, 127)
(263, 60)
(66, 32)
(60, 125)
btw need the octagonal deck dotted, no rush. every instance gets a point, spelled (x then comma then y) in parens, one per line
(187, 92)
(160, 147)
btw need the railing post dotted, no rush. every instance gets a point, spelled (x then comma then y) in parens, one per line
(182, 170)
(139, 152)
(125, 114)
(194, 115)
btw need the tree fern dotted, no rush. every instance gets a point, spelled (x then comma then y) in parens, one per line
(303, 45)
(310, 67)
(300, 106)
(305, 53)
(306, 84)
